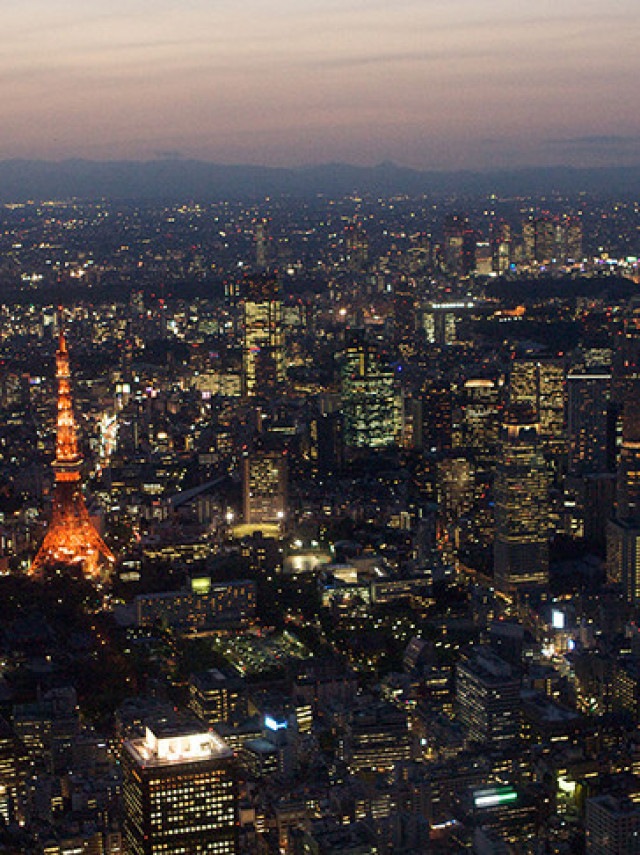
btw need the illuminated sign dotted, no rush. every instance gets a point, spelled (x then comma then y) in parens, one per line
(494, 796)
(557, 619)
(272, 724)
(201, 584)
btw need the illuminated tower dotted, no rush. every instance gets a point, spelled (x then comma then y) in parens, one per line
(521, 547)
(263, 337)
(179, 792)
(71, 538)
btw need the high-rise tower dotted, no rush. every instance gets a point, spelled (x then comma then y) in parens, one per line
(623, 536)
(368, 395)
(179, 792)
(71, 538)
(263, 366)
(264, 486)
(521, 547)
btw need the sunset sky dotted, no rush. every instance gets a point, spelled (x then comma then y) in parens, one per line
(426, 83)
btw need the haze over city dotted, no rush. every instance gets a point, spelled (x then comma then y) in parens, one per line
(432, 85)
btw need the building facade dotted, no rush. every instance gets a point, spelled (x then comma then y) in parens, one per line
(179, 793)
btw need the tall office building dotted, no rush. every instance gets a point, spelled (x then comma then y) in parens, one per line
(524, 386)
(628, 487)
(569, 238)
(217, 697)
(488, 698)
(14, 765)
(455, 488)
(626, 358)
(538, 235)
(483, 256)
(540, 384)
(263, 369)
(612, 826)
(521, 545)
(377, 738)
(589, 392)
(623, 537)
(325, 442)
(179, 793)
(439, 323)
(404, 312)
(454, 228)
(371, 412)
(501, 246)
(356, 245)
(437, 424)
(552, 381)
(262, 242)
(264, 486)
(552, 239)
(481, 409)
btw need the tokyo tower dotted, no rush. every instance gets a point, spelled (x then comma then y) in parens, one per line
(71, 538)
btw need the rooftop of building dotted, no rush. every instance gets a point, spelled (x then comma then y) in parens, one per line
(172, 743)
(489, 666)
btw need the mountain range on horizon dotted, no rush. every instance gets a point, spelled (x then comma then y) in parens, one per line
(179, 179)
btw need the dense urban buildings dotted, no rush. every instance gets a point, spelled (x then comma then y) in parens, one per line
(348, 558)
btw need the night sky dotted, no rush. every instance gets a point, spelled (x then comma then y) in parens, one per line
(426, 83)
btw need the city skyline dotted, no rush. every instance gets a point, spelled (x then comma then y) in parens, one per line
(367, 473)
(425, 84)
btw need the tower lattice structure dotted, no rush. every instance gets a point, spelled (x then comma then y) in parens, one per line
(71, 538)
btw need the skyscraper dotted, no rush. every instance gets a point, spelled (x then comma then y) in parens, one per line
(261, 243)
(262, 336)
(404, 310)
(356, 244)
(521, 546)
(589, 393)
(552, 239)
(626, 363)
(179, 793)
(488, 698)
(540, 384)
(264, 486)
(368, 395)
(612, 826)
(71, 539)
(481, 418)
(501, 246)
(623, 538)
(454, 240)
